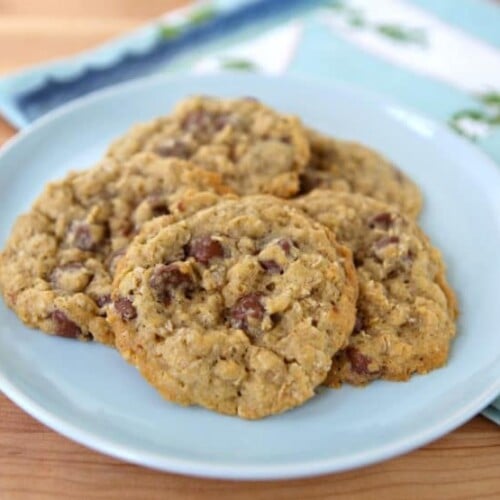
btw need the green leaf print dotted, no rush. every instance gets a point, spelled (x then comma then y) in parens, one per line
(495, 120)
(402, 34)
(336, 5)
(195, 18)
(478, 122)
(356, 18)
(202, 15)
(239, 64)
(491, 99)
(455, 126)
(472, 114)
(356, 21)
(169, 32)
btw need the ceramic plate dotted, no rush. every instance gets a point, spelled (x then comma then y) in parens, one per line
(86, 391)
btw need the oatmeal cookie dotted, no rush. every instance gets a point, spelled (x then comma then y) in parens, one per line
(254, 149)
(406, 310)
(57, 266)
(238, 308)
(351, 167)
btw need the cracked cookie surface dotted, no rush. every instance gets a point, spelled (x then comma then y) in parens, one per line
(238, 308)
(354, 168)
(56, 269)
(406, 310)
(254, 149)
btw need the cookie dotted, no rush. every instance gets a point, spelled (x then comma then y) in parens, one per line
(238, 308)
(351, 167)
(406, 310)
(254, 149)
(56, 269)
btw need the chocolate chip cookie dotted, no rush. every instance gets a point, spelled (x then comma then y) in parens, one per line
(238, 308)
(253, 148)
(351, 167)
(56, 269)
(406, 310)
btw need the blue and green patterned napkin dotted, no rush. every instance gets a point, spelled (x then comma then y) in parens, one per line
(442, 57)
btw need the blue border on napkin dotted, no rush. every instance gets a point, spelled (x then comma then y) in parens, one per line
(28, 105)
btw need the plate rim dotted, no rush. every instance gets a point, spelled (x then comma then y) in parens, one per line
(202, 468)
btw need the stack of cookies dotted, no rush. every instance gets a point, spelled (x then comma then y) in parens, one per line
(238, 259)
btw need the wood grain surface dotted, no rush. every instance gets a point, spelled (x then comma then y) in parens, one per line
(36, 463)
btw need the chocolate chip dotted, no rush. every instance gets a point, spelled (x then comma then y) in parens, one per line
(158, 205)
(358, 260)
(56, 273)
(102, 300)
(86, 236)
(82, 236)
(308, 183)
(386, 241)
(160, 210)
(359, 361)
(165, 278)
(271, 266)
(125, 308)
(202, 121)
(401, 266)
(393, 273)
(384, 220)
(358, 325)
(204, 249)
(220, 121)
(247, 307)
(271, 286)
(173, 148)
(195, 120)
(127, 228)
(72, 277)
(408, 258)
(114, 257)
(169, 274)
(276, 318)
(286, 245)
(63, 326)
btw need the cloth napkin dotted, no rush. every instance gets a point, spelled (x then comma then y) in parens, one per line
(442, 57)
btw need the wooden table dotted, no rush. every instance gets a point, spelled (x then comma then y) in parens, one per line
(39, 464)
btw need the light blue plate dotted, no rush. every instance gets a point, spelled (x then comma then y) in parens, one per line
(86, 392)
